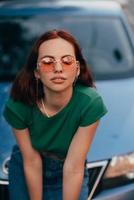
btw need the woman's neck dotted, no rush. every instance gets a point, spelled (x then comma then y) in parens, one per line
(57, 100)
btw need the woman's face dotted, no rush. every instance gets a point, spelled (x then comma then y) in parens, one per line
(57, 66)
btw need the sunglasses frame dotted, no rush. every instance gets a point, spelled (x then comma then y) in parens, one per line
(58, 61)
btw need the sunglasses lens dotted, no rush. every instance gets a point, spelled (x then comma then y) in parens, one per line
(67, 61)
(46, 64)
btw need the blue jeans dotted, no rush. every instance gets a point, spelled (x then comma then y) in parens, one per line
(52, 177)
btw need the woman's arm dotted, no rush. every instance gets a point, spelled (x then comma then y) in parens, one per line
(73, 169)
(32, 164)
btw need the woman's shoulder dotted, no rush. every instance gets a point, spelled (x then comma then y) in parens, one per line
(17, 107)
(15, 104)
(88, 92)
(93, 107)
(17, 113)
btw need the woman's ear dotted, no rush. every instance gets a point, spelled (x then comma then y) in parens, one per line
(36, 74)
(78, 68)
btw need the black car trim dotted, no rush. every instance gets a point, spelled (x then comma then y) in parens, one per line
(103, 165)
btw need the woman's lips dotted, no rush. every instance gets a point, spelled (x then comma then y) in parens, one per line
(58, 79)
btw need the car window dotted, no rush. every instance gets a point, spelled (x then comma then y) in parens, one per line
(104, 42)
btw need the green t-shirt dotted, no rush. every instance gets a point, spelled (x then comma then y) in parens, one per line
(54, 134)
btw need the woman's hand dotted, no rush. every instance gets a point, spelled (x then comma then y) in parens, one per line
(32, 164)
(73, 169)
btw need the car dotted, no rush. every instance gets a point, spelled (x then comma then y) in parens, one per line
(107, 41)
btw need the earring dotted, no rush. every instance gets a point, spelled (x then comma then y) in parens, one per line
(76, 77)
(75, 80)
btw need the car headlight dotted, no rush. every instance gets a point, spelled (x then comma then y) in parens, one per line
(5, 165)
(120, 171)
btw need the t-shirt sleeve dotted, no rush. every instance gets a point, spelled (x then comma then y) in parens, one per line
(17, 114)
(93, 111)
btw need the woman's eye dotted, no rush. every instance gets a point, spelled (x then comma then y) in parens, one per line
(47, 61)
(67, 62)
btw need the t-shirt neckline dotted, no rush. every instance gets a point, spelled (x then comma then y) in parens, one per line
(59, 112)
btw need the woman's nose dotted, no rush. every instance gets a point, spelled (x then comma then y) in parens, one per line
(58, 66)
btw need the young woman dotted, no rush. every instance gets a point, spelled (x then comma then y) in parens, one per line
(54, 110)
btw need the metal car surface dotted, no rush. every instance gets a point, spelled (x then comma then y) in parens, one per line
(108, 44)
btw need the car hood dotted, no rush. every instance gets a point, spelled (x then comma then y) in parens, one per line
(115, 134)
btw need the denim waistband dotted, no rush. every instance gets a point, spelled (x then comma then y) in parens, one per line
(51, 155)
(44, 155)
(50, 162)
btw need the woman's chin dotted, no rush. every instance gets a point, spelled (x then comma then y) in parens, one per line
(59, 87)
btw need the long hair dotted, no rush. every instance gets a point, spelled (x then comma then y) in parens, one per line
(25, 86)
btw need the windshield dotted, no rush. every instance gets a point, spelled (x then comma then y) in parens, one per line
(104, 43)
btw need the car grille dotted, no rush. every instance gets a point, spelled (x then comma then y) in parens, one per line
(96, 171)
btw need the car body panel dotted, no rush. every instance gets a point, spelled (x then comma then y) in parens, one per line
(6, 138)
(113, 138)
